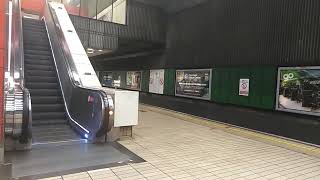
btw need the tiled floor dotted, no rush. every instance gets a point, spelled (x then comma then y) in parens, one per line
(176, 149)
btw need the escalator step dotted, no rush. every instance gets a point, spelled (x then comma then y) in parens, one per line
(41, 73)
(36, 123)
(34, 28)
(31, 33)
(57, 137)
(46, 99)
(45, 92)
(52, 127)
(45, 44)
(51, 132)
(37, 52)
(42, 85)
(31, 36)
(48, 108)
(35, 47)
(40, 67)
(39, 61)
(39, 41)
(31, 21)
(41, 79)
(34, 56)
(39, 116)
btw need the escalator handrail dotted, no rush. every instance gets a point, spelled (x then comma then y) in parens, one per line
(70, 66)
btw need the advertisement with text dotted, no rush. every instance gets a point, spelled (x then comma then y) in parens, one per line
(299, 90)
(194, 83)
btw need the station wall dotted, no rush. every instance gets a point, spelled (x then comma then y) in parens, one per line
(225, 85)
(245, 33)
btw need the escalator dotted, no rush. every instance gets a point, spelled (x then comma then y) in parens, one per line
(58, 118)
(53, 95)
(50, 123)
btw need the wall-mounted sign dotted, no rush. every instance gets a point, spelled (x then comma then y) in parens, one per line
(195, 83)
(156, 83)
(299, 90)
(134, 80)
(244, 86)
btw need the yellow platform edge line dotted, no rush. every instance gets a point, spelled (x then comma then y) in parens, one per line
(286, 143)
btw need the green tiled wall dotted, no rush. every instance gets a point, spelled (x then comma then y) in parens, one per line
(225, 86)
(169, 82)
(145, 81)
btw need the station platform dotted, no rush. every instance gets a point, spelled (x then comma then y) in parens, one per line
(180, 146)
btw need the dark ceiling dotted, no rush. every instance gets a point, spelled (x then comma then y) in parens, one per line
(173, 6)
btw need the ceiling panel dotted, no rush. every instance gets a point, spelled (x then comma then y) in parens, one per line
(173, 6)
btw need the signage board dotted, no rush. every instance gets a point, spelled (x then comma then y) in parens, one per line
(156, 83)
(298, 90)
(194, 83)
(244, 86)
(134, 80)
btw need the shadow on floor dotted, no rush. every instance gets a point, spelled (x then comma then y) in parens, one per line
(60, 160)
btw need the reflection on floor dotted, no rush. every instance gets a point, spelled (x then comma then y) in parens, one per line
(176, 149)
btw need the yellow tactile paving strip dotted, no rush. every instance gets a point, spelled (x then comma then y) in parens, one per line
(274, 140)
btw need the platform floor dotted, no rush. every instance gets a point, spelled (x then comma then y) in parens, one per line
(177, 149)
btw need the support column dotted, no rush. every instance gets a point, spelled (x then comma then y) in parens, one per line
(3, 54)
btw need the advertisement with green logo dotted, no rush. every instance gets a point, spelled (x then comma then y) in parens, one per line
(299, 90)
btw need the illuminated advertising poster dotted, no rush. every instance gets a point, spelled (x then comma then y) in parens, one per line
(107, 79)
(299, 90)
(195, 83)
(134, 80)
(156, 83)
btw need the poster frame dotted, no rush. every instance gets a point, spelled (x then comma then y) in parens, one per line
(164, 75)
(103, 72)
(244, 95)
(192, 97)
(278, 90)
(140, 88)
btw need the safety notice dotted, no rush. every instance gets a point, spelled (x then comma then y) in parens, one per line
(244, 87)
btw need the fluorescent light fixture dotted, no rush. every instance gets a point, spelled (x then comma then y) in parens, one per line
(86, 136)
(90, 51)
